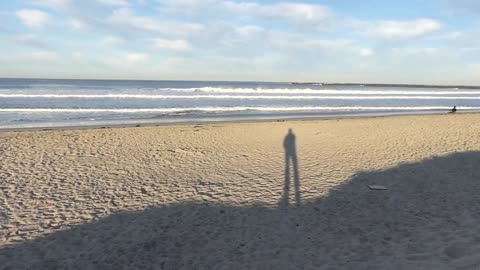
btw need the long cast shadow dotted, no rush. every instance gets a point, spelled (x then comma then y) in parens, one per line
(427, 219)
(290, 148)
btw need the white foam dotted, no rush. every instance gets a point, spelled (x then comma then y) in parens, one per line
(259, 90)
(323, 91)
(227, 109)
(251, 97)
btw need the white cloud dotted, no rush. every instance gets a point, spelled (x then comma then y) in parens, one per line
(28, 39)
(298, 41)
(33, 18)
(474, 67)
(301, 13)
(415, 51)
(249, 31)
(77, 56)
(63, 4)
(113, 2)
(175, 45)
(365, 52)
(136, 58)
(190, 6)
(77, 24)
(325, 44)
(297, 12)
(25, 38)
(55, 4)
(394, 30)
(112, 40)
(452, 36)
(40, 56)
(125, 17)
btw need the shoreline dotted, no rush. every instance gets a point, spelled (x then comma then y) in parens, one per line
(153, 121)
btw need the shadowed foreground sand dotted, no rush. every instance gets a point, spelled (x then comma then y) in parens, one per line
(213, 196)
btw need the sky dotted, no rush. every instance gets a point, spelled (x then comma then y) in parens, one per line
(370, 41)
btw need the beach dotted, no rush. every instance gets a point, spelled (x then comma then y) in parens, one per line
(244, 195)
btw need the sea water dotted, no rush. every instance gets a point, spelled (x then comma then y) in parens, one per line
(45, 102)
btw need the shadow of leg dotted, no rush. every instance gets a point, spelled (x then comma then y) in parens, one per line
(296, 179)
(286, 188)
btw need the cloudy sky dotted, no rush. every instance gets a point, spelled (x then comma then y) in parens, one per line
(423, 41)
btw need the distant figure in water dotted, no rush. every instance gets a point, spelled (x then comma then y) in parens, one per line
(454, 110)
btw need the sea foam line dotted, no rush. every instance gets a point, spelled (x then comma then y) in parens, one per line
(251, 97)
(221, 90)
(225, 109)
(321, 91)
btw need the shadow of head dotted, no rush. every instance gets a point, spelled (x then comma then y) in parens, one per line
(427, 219)
(289, 143)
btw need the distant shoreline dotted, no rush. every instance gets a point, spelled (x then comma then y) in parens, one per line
(388, 85)
(286, 82)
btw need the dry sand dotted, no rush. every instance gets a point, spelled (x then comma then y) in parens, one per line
(213, 196)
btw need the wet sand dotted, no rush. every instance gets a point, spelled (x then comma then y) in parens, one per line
(244, 195)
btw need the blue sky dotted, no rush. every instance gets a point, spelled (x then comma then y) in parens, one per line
(422, 41)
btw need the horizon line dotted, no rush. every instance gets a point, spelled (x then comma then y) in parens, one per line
(373, 84)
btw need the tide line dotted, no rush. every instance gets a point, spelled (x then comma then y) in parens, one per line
(224, 109)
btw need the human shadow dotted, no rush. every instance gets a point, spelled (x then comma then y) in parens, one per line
(290, 156)
(427, 219)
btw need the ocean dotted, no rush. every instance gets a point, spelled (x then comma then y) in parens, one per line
(31, 103)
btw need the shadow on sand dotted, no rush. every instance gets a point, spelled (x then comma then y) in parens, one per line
(427, 219)
(290, 156)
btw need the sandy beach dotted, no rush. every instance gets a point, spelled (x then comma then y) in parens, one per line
(245, 195)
